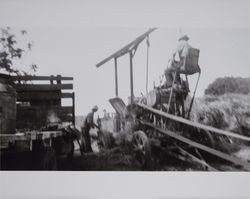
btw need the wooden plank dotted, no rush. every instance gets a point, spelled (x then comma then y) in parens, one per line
(49, 134)
(194, 124)
(65, 109)
(197, 160)
(36, 117)
(219, 154)
(30, 96)
(5, 139)
(126, 48)
(42, 87)
(40, 78)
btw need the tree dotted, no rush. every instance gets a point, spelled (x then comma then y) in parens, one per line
(229, 85)
(11, 52)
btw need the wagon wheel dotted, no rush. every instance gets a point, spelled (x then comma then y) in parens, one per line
(142, 147)
(47, 159)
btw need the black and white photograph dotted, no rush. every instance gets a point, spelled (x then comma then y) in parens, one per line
(137, 93)
(145, 99)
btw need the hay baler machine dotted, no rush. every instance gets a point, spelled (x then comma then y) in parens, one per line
(162, 117)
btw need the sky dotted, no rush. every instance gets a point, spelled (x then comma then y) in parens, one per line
(70, 38)
(75, 51)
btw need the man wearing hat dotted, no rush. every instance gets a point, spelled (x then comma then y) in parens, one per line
(178, 59)
(87, 125)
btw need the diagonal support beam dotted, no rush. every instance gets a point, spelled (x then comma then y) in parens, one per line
(219, 154)
(126, 49)
(194, 124)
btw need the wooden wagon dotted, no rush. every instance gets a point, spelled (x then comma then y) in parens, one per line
(44, 128)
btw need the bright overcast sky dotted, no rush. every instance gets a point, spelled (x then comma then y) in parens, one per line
(69, 40)
(76, 51)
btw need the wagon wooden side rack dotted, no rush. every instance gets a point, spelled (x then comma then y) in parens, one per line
(44, 127)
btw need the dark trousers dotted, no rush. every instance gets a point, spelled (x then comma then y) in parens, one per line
(169, 76)
(86, 137)
(169, 72)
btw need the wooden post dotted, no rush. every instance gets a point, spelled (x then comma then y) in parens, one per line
(73, 105)
(59, 82)
(131, 77)
(116, 78)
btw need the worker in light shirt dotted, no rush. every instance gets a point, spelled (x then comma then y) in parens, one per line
(178, 59)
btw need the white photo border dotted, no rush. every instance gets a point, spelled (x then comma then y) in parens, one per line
(137, 13)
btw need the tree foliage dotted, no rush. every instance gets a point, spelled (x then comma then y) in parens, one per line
(229, 85)
(12, 51)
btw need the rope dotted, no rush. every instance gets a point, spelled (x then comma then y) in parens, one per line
(148, 44)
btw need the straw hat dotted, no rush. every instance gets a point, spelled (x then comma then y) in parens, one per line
(95, 108)
(183, 37)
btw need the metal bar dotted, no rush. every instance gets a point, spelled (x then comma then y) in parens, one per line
(171, 92)
(116, 78)
(147, 65)
(131, 78)
(127, 48)
(73, 103)
(192, 101)
(40, 78)
(219, 154)
(194, 124)
(187, 80)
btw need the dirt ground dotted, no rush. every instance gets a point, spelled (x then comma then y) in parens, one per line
(124, 158)
(120, 159)
(110, 160)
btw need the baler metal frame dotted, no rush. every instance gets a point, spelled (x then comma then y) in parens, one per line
(161, 118)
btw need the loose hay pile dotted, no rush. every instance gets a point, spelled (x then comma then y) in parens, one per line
(229, 112)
